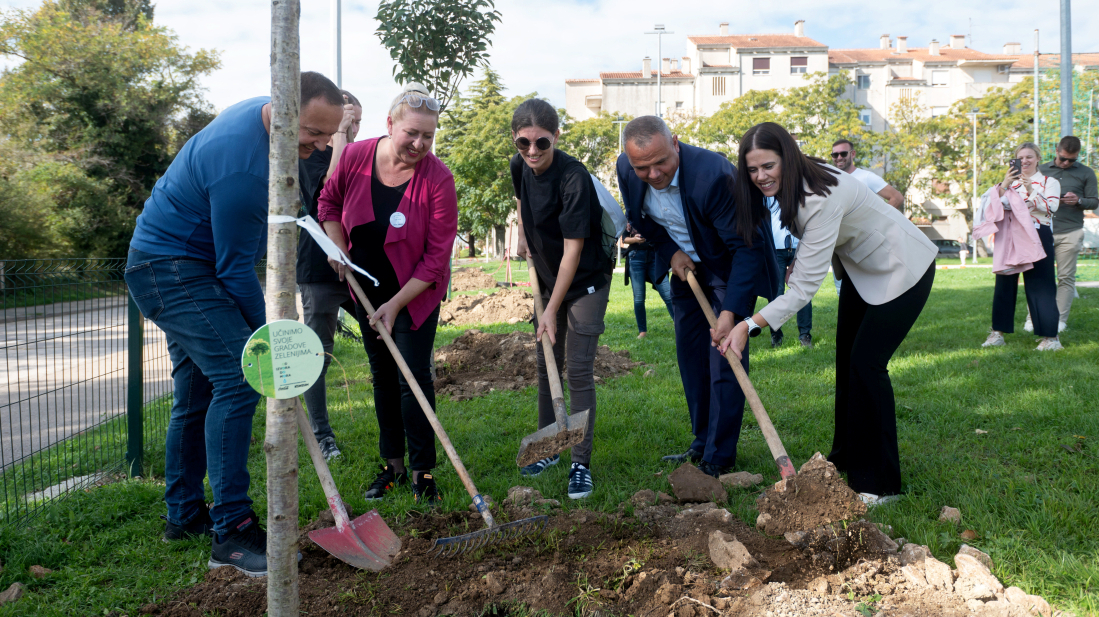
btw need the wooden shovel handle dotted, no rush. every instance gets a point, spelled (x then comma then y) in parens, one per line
(451, 453)
(785, 467)
(339, 510)
(556, 391)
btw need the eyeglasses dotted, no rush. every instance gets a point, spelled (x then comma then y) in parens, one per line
(840, 155)
(416, 100)
(542, 143)
(1065, 159)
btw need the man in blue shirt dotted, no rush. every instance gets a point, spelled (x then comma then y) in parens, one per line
(680, 198)
(191, 271)
(786, 246)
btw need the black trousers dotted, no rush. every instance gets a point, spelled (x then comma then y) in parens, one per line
(400, 417)
(1041, 293)
(867, 336)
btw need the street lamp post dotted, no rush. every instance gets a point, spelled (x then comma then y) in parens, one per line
(337, 48)
(973, 114)
(621, 126)
(659, 31)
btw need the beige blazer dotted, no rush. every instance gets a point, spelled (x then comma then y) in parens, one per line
(865, 240)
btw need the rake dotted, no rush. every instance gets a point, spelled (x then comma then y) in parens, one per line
(492, 533)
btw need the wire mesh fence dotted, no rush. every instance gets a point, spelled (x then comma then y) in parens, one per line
(69, 333)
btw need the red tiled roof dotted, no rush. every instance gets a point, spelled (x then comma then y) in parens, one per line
(637, 75)
(946, 54)
(581, 81)
(755, 41)
(1052, 61)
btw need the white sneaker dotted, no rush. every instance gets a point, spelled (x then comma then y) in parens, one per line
(1061, 327)
(1049, 344)
(1029, 325)
(995, 339)
(871, 500)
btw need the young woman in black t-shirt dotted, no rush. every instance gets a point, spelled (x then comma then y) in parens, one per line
(559, 219)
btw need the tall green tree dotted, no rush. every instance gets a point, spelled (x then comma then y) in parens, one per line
(437, 42)
(594, 142)
(723, 130)
(104, 92)
(905, 150)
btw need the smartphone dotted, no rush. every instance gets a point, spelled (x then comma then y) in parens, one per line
(1017, 165)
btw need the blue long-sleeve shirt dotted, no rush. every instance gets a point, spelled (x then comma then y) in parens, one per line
(211, 204)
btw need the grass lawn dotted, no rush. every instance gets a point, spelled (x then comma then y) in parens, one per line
(1028, 486)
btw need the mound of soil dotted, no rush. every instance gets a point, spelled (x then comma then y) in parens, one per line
(816, 496)
(509, 305)
(477, 363)
(471, 279)
(614, 564)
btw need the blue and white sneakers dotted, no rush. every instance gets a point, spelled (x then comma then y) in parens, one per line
(580, 483)
(537, 467)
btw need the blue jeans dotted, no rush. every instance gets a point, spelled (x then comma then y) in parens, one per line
(805, 315)
(642, 270)
(211, 422)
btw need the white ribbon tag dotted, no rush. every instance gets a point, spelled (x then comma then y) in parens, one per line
(308, 224)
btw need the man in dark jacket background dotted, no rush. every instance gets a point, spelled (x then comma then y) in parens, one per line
(680, 198)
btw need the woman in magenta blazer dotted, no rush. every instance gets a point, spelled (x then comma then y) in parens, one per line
(391, 205)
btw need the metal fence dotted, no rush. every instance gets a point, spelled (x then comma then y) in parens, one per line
(77, 356)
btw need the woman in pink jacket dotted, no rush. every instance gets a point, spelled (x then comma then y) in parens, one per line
(391, 205)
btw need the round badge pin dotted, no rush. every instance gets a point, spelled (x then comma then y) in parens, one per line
(282, 359)
(397, 219)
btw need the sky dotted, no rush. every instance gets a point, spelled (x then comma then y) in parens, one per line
(540, 44)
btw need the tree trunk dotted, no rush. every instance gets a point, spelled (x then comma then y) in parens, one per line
(501, 245)
(472, 247)
(281, 440)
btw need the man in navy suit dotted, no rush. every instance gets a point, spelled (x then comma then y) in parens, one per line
(680, 198)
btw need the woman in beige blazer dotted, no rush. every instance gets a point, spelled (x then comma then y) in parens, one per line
(888, 267)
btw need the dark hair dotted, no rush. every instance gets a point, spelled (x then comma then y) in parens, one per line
(534, 112)
(351, 98)
(314, 85)
(843, 141)
(1069, 144)
(801, 175)
(641, 130)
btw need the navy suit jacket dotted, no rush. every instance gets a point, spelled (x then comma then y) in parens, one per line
(706, 181)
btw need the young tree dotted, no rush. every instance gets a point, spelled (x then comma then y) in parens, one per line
(436, 42)
(258, 347)
(818, 113)
(904, 150)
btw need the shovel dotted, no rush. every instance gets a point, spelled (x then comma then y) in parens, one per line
(492, 533)
(568, 431)
(366, 542)
(785, 467)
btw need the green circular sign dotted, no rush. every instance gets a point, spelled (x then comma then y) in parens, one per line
(282, 359)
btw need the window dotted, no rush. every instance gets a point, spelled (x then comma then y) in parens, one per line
(939, 111)
(761, 66)
(719, 86)
(940, 78)
(798, 65)
(679, 104)
(863, 82)
(864, 117)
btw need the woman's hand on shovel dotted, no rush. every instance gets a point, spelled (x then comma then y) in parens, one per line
(547, 325)
(735, 341)
(387, 314)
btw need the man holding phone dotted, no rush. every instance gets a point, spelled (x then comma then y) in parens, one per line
(1078, 193)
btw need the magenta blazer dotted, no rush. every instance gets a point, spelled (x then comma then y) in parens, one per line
(419, 249)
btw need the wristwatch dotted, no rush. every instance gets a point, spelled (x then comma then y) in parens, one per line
(753, 327)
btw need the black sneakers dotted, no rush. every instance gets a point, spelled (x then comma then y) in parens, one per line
(580, 482)
(537, 467)
(426, 492)
(201, 525)
(329, 449)
(806, 340)
(245, 548)
(386, 480)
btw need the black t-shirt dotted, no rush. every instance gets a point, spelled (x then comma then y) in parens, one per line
(312, 264)
(561, 203)
(368, 241)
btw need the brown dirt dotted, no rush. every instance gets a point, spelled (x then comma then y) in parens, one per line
(586, 562)
(477, 363)
(471, 279)
(509, 305)
(553, 442)
(816, 496)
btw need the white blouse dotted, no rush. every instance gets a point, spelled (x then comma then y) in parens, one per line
(1043, 200)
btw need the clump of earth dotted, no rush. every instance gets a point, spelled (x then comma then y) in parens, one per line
(507, 305)
(471, 279)
(816, 496)
(477, 363)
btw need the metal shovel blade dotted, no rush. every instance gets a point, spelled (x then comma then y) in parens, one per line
(368, 543)
(552, 440)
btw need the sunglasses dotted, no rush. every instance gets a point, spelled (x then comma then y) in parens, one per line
(840, 155)
(416, 101)
(542, 143)
(1065, 159)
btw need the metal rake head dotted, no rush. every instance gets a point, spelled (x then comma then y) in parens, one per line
(456, 545)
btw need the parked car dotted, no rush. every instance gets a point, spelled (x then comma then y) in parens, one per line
(949, 248)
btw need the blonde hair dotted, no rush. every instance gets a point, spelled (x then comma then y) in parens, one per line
(399, 108)
(1029, 145)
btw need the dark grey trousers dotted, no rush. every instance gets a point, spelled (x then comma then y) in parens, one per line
(321, 304)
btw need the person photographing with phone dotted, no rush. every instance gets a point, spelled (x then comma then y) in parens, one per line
(1019, 210)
